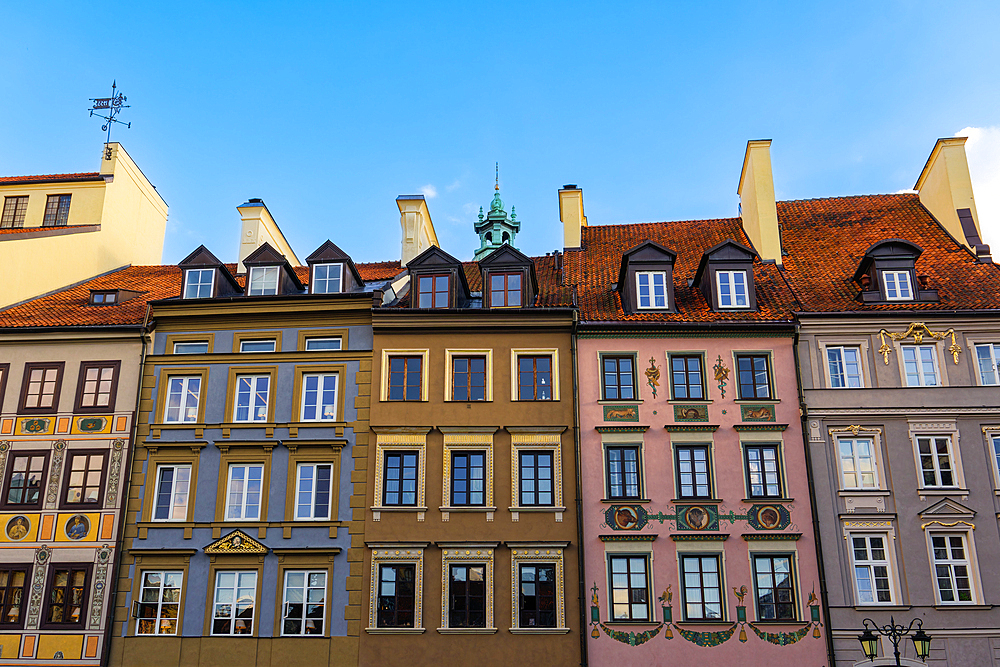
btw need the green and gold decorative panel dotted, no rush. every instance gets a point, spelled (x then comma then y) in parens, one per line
(621, 413)
(691, 413)
(757, 413)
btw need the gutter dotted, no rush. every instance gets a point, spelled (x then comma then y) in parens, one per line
(582, 593)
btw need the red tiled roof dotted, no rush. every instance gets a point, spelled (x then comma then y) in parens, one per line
(50, 177)
(372, 271)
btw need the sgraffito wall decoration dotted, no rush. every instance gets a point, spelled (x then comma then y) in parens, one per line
(757, 413)
(691, 413)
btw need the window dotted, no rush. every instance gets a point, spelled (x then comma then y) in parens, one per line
(265, 345)
(304, 610)
(467, 596)
(763, 471)
(775, 588)
(505, 290)
(159, 603)
(405, 379)
(651, 289)
(537, 595)
(320, 344)
(199, 283)
(897, 285)
(312, 491)
(936, 467)
(400, 478)
(468, 472)
(40, 390)
(623, 472)
(871, 569)
(103, 298)
(244, 492)
(987, 357)
(468, 378)
(85, 478)
(263, 281)
(432, 291)
(27, 475)
(252, 393)
(173, 486)
(56, 211)
(235, 599)
(326, 278)
(319, 397)
(951, 568)
(396, 595)
(13, 586)
(701, 588)
(754, 376)
(732, 289)
(14, 209)
(535, 477)
(66, 602)
(996, 452)
(183, 393)
(629, 588)
(686, 378)
(198, 347)
(920, 364)
(693, 477)
(534, 375)
(857, 463)
(845, 366)
(619, 378)
(97, 386)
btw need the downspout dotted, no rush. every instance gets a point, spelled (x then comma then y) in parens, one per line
(124, 495)
(579, 485)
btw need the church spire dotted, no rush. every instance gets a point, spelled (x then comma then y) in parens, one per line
(497, 228)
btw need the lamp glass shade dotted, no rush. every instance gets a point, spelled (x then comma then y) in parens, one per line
(922, 643)
(869, 644)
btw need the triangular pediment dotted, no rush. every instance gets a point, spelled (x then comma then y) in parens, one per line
(433, 256)
(236, 542)
(265, 255)
(327, 252)
(200, 257)
(505, 255)
(650, 251)
(947, 507)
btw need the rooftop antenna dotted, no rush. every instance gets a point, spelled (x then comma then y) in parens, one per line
(110, 106)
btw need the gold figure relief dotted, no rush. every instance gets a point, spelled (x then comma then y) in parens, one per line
(917, 330)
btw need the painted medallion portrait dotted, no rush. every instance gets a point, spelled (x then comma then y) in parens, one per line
(626, 518)
(697, 518)
(18, 527)
(77, 527)
(768, 517)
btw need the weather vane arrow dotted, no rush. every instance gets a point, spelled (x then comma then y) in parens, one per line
(108, 109)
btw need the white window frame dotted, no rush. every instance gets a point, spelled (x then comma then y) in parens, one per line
(969, 562)
(919, 361)
(841, 350)
(242, 506)
(272, 341)
(183, 410)
(173, 492)
(180, 344)
(159, 618)
(235, 589)
(322, 339)
(856, 460)
(267, 280)
(900, 282)
(312, 516)
(253, 408)
(870, 565)
(188, 274)
(320, 406)
(994, 360)
(731, 293)
(936, 460)
(306, 588)
(654, 292)
(340, 278)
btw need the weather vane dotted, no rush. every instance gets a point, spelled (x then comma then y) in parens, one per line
(111, 106)
(498, 177)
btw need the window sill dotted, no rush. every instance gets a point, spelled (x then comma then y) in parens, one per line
(693, 401)
(943, 492)
(864, 492)
(882, 607)
(535, 400)
(467, 508)
(624, 401)
(397, 508)
(775, 623)
(626, 501)
(700, 622)
(633, 623)
(768, 500)
(964, 607)
(467, 631)
(536, 508)
(697, 501)
(539, 631)
(456, 400)
(395, 631)
(757, 400)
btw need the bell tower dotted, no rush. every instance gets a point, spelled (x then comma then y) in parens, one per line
(496, 228)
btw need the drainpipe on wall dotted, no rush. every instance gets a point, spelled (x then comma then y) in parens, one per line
(579, 501)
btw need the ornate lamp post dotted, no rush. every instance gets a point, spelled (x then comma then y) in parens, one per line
(895, 632)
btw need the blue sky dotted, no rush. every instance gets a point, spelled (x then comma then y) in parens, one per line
(327, 111)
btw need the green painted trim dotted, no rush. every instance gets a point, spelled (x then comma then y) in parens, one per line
(760, 427)
(711, 537)
(629, 537)
(770, 537)
(621, 429)
(691, 428)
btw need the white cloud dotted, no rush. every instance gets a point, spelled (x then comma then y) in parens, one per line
(454, 185)
(983, 151)
(429, 191)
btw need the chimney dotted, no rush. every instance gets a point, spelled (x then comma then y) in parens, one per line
(260, 228)
(571, 215)
(757, 208)
(418, 230)
(945, 189)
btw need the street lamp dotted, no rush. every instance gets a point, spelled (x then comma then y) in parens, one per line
(869, 639)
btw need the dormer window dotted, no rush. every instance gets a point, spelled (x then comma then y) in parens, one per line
(104, 298)
(327, 278)
(888, 274)
(505, 290)
(732, 286)
(432, 291)
(897, 285)
(198, 283)
(651, 289)
(725, 277)
(646, 278)
(263, 281)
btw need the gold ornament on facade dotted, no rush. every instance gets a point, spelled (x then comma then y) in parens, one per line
(917, 330)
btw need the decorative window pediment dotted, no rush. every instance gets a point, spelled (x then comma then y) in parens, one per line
(331, 270)
(269, 273)
(947, 508)
(236, 542)
(888, 273)
(508, 279)
(645, 279)
(444, 284)
(725, 277)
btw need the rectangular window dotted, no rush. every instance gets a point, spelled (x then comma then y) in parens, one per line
(535, 479)
(534, 378)
(321, 344)
(56, 211)
(845, 366)
(619, 378)
(312, 491)
(936, 467)
(996, 453)
(400, 479)
(173, 486)
(40, 392)
(197, 347)
(871, 569)
(701, 588)
(159, 603)
(396, 595)
(13, 587)
(319, 397)
(623, 472)
(199, 283)
(468, 378)
(920, 364)
(432, 291)
(85, 478)
(244, 492)
(468, 473)
(505, 290)
(536, 604)
(263, 281)
(693, 475)
(183, 394)
(775, 588)
(404, 378)
(103, 298)
(651, 289)
(304, 609)
(754, 376)
(987, 357)
(732, 289)
(763, 471)
(897, 285)
(687, 378)
(467, 596)
(857, 463)
(235, 600)
(14, 209)
(629, 588)
(24, 486)
(252, 392)
(327, 278)
(951, 568)
(264, 345)
(66, 602)
(97, 385)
